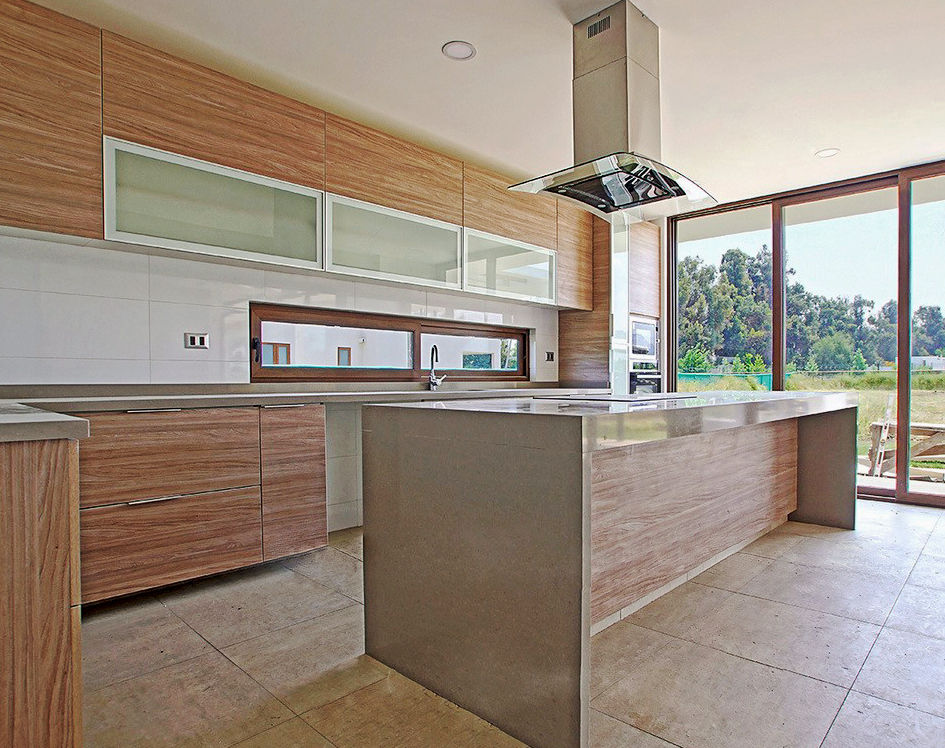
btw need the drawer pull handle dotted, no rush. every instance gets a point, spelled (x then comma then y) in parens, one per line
(155, 501)
(155, 410)
(293, 405)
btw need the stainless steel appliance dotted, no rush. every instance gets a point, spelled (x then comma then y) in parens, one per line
(644, 341)
(645, 383)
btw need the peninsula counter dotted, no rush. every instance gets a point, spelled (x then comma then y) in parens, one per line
(499, 535)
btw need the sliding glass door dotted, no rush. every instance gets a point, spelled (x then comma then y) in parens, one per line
(841, 318)
(831, 287)
(927, 391)
(723, 301)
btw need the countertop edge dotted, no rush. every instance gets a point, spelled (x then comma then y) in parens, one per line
(22, 423)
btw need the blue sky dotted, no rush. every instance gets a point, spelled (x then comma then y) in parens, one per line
(852, 255)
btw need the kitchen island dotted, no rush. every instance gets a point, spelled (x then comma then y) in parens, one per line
(500, 535)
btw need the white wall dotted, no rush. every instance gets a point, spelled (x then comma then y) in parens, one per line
(80, 314)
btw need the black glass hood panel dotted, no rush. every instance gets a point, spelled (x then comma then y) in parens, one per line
(621, 189)
(622, 182)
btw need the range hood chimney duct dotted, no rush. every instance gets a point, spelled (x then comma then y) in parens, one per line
(616, 95)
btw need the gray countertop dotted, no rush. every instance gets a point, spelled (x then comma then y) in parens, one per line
(612, 421)
(40, 412)
(21, 423)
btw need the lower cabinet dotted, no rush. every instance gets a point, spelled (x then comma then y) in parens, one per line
(257, 494)
(133, 547)
(292, 447)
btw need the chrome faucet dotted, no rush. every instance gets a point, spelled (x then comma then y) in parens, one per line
(435, 381)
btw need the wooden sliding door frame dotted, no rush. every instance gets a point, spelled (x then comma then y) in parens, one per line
(902, 180)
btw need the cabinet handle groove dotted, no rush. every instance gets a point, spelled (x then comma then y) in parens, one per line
(136, 502)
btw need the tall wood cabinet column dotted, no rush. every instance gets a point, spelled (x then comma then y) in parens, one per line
(40, 660)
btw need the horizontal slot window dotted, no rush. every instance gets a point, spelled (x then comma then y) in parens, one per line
(303, 343)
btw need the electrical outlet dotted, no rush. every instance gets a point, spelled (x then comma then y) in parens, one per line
(549, 355)
(196, 340)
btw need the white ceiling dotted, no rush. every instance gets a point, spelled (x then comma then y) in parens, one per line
(749, 89)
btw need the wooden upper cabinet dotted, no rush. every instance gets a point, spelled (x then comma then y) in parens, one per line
(50, 122)
(147, 455)
(575, 257)
(152, 98)
(489, 206)
(644, 261)
(370, 165)
(292, 444)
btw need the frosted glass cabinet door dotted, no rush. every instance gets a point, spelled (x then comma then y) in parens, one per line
(370, 240)
(165, 200)
(505, 267)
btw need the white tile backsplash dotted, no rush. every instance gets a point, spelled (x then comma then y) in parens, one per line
(309, 290)
(35, 265)
(199, 372)
(228, 328)
(372, 297)
(343, 479)
(342, 516)
(36, 324)
(188, 282)
(76, 314)
(74, 370)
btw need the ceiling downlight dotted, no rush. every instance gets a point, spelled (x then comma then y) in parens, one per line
(458, 50)
(827, 152)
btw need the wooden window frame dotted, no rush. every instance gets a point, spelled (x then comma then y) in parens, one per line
(260, 312)
(902, 180)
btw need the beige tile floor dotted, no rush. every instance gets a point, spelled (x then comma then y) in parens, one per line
(808, 637)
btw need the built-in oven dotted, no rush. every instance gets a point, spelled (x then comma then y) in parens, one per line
(644, 340)
(645, 383)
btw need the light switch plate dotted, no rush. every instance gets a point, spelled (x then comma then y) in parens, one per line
(549, 355)
(196, 340)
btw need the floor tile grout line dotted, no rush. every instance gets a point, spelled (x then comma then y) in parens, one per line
(681, 638)
(883, 625)
(287, 626)
(791, 605)
(834, 720)
(896, 703)
(628, 724)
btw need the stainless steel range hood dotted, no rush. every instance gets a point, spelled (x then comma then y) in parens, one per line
(616, 93)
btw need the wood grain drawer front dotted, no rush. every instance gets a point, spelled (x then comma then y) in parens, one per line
(50, 121)
(370, 165)
(489, 206)
(162, 101)
(293, 479)
(128, 548)
(131, 456)
(574, 259)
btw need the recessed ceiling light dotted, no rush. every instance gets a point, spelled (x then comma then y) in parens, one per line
(826, 152)
(459, 50)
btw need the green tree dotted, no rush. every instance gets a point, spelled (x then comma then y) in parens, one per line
(749, 363)
(695, 360)
(858, 363)
(833, 352)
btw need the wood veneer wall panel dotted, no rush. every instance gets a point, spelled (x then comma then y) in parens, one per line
(489, 206)
(131, 456)
(584, 337)
(155, 99)
(659, 509)
(131, 548)
(292, 444)
(38, 672)
(50, 121)
(575, 257)
(644, 269)
(371, 165)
